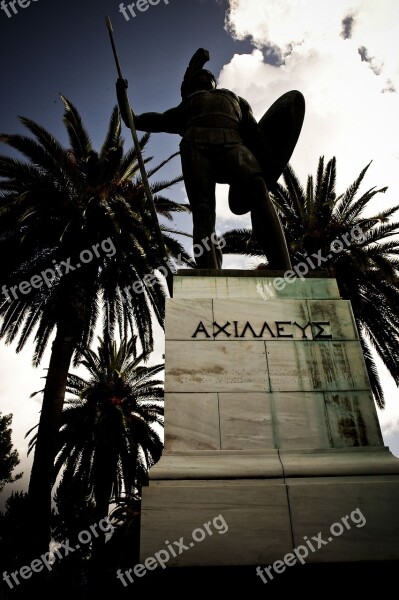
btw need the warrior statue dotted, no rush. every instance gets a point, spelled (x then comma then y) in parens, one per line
(223, 143)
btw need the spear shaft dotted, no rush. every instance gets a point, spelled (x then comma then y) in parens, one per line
(143, 172)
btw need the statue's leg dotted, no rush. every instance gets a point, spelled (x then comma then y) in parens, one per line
(200, 187)
(266, 226)
(243, 170)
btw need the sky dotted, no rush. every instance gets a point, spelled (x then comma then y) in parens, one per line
(341, 54)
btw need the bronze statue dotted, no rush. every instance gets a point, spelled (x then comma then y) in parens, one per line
(223, 143)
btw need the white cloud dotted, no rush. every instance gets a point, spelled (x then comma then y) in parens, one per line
(347, 113)
(225, 218)
(17, 381)
(284, 23)
(389, 416)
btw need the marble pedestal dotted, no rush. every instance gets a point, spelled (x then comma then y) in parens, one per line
(269, 422)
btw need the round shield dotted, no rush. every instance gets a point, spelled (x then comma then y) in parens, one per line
(281, 126)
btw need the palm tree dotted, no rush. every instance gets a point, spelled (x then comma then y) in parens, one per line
(122, 405)
(56, 206)
(366, 269)
(111, 430)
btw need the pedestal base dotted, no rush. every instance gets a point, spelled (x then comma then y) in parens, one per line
(264, 507)
(272, 441)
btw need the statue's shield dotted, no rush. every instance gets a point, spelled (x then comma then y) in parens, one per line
(281, 126)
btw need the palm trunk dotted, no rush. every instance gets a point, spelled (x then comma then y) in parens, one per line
(106, 462)
(41, 480)
(137, 539)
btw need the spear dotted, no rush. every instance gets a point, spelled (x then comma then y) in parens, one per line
(143, 172)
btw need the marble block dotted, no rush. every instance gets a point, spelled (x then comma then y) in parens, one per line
(220, 366)
(310, 366)
(257, 285)
(245, 421)
(256, 516)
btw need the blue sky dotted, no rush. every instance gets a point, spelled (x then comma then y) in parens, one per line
(60, 46)
(259, 49)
